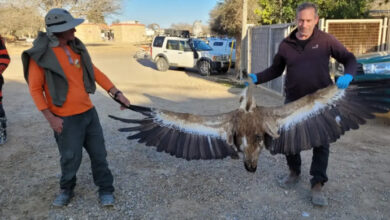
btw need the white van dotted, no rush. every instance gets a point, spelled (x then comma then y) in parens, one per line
(224, 45)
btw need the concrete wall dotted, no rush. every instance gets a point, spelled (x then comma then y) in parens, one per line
(89, 33)
(129, 33)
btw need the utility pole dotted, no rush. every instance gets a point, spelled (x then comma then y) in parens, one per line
(243, 33)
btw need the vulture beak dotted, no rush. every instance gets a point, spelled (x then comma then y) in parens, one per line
(250, 168)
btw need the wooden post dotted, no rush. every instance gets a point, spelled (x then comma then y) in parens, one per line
(384, 34)
(249, 50)
(243, 33)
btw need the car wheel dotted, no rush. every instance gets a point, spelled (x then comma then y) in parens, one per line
(204, 68)
(162, 64)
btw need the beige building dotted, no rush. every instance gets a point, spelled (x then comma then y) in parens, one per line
(90, 32)
(129, 33)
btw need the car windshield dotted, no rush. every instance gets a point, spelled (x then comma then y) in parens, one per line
(200, 45)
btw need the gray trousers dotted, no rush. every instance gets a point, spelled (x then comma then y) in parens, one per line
(83, 130)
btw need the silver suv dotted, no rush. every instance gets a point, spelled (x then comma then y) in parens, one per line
(189, 53)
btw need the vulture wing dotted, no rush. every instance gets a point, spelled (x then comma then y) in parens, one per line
(184, 135)
(322, 117)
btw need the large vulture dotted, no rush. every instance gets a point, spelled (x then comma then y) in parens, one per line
(316, 119)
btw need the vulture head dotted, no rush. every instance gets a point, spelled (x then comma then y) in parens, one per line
(248, 136)
(314, 120)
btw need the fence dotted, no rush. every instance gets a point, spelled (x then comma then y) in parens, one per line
(359, 36)
(261, 46)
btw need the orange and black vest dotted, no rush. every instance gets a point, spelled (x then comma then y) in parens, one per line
(4, 57)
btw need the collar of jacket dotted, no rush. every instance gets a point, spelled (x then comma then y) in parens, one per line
(42, 54)
(292, 39)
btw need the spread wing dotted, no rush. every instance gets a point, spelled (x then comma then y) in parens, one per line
(184, 135)
(322, 117)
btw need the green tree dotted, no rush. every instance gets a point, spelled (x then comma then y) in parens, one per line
(283, 11)
(343, 9)
(277, 11)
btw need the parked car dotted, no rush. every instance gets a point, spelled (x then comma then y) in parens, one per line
(372, 63)
(224, 45)
(378, 63)
(167, 51)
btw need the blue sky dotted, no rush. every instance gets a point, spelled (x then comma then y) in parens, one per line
(165, 12)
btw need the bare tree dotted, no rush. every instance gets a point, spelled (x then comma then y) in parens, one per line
(182, 26)
(226, 19)
(154, 26)
(21, 21)
(95, 10)
(197, 29)
(25, 17)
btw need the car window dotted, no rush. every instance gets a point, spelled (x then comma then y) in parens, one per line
(201, 45)
(185, 46)
(234, 45)
(173, 45)
(218, 43)
(158, 41)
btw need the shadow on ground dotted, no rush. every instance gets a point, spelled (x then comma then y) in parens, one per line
(147, 63)
(229, 78)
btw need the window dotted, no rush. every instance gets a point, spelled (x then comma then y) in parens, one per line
(158, 41)
(185, 46)
(173, 45)
(218, 43)
(201, 45)
(234, 45)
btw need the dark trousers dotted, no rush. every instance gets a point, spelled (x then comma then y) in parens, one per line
(2, 112)
(319, 164)
(83, 130)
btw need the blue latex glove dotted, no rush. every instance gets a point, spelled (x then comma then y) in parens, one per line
(344, 81)
(253, 77)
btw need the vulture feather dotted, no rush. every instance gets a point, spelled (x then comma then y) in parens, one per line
(317, 119)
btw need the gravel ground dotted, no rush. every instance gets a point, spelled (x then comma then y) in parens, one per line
(152, 185)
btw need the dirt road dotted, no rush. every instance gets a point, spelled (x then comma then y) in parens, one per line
(152, 185)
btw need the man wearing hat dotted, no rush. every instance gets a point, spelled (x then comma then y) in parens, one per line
(60, 76)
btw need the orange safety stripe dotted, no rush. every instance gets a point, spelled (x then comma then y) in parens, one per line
(3, 52)
(4, 61)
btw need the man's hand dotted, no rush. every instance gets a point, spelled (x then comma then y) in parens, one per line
(122, 98)
(118, 96)
(344, 81)
(54, 121)
(253, 77)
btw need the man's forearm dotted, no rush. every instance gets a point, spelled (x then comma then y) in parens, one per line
(113, 90)
(48, 114)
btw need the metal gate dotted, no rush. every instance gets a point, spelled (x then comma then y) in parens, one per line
(264, 43)
(359, 36)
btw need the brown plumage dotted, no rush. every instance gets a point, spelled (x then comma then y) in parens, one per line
(316, 119)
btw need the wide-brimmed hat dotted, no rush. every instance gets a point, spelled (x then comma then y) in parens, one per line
(60, 20)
